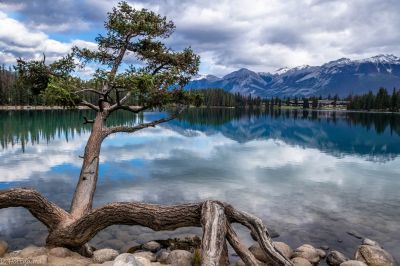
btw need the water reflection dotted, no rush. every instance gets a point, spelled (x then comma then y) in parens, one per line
(312, 177)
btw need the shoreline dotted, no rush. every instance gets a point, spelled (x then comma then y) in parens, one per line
(46, 107)
(187, 251)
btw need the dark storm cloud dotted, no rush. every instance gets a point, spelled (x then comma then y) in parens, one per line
(261, 35)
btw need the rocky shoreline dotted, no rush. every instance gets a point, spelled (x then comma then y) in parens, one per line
(186, 252)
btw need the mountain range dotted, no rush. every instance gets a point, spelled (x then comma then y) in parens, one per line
(342, 77)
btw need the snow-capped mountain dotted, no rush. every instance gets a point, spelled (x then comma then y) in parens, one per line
(342, 76)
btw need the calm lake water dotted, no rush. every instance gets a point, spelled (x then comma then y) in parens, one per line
(311, 176)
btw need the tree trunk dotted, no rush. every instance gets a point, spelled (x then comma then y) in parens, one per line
(83, 197)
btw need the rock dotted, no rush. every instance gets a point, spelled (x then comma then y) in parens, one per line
(3, 247)
(152, 246)
(321, 253)
(134, 248)
(143, 261)
(284, 249)
(369, 242)
(73, 259)
(307, 252)
(107, 263)
(256, 250)
(131, 245)
(60, 252)
(146, 254)
(324, 247)
(41, 260)
(162, 256)
(105, 254)
(126, 259)
(32, 251)
(180, 258)
(374, 256)
(299, 261)
(353, 263)
(335, 258)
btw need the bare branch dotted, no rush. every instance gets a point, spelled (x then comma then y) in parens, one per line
(131, 129)
(90, 105)
(260, 231)
(87, 121)
(155, 71)
(136, 109)
(125, 98)
(241, 250)
(89, 90)
(44, 210)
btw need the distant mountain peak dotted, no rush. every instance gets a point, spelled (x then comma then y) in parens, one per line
(243, 72)
(382, 59)
(342, 77)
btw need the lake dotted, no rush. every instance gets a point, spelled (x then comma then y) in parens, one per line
(312, 176)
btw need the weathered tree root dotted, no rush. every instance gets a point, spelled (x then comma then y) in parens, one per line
(215, 218)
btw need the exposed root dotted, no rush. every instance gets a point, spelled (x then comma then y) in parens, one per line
(214, 216)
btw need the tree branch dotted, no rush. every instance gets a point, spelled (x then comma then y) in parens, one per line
(131, 129)
(136, 109)
(90, 105)
(156, 217)
(44, 210)
(241, 250)
(88, 121)
(89, 90)
(260, 231)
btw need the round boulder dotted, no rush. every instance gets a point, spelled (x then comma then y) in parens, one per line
(146, 254)
(126, 259)
(353, 263)
(335, 258)
(152, 246)
(60, 252)
(180, 258)
(104, 254)
(284, 249)
(369, 242)
(162, 256)
(256, 250)
(307, 252)
(3, 247)
(299, 261)
(32, 251)
(374, 256)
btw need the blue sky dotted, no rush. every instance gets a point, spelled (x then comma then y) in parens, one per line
(262, 35)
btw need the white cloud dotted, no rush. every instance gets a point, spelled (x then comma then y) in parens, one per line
(260, 35)
(18, 40)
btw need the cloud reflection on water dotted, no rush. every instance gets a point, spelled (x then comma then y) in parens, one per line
(305, 193)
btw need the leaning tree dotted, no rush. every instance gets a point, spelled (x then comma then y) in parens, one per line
(134, 66)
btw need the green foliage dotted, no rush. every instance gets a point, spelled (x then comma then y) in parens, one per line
(381, 101)
(32, 74)
(196, 257)
(60, 92)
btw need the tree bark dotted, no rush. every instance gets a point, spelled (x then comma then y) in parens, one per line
(83, 196)
(213, 221)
